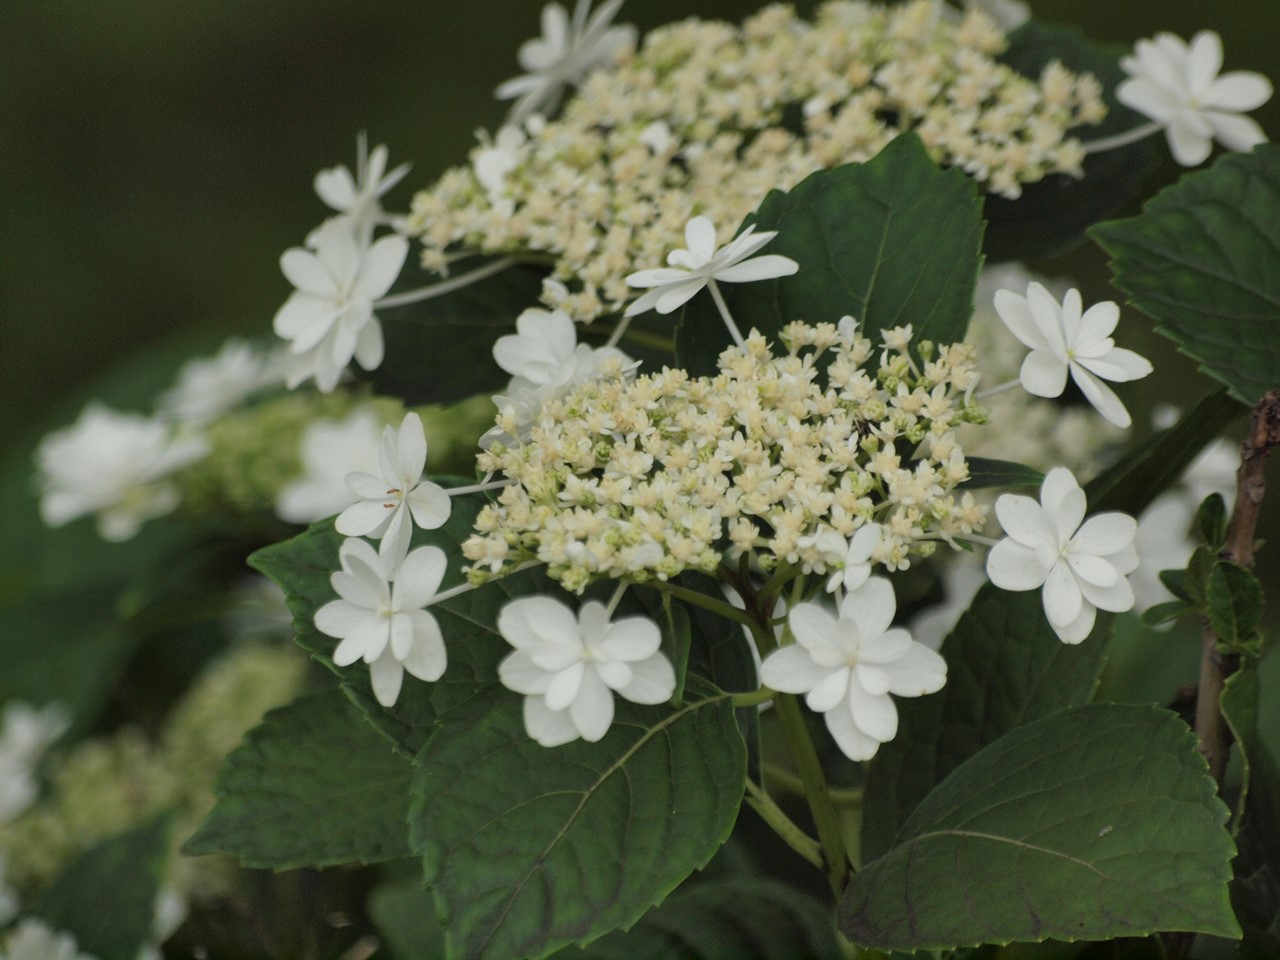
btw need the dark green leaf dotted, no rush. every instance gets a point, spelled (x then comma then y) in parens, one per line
(1234, 606)
(312, 786)
(1199, 569)
(528, 849)
(1175, 581)
(1211, 521)
(1053, 214)
(1167, 612)
(106, 897)
(677, 640)
(406, 920)
(891, 241)
(1097, 822)
(1256, 890)
(1005, 667)
(1203, 260)
(1239, 703)
(1130, 485)
(741, 919)
(465, 324)
(1000, 473)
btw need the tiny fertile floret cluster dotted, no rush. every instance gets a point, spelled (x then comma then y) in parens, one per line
(709, 117)
(645, 479)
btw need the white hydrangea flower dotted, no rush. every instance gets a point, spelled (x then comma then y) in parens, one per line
(1082, 569)
(396, 493)
(569, 667)
(116, 465)
(357, 198)
(701, 262)
(1062, 338)
(383, 622)
(26, 735)
(847, 665)
(329, 451)
(329, 318)
(208, 387)
(1177, 85)
(565, 53)
(33, 940)
(496, 158)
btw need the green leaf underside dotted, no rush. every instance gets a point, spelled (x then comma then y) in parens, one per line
(1005, 667)
(302, 567)
(1203, 260)
(1000, 473)
(106, 896)
(742, 919)
(1053, 214)
(312, 786)
(1094, 823)
(529, 849)
(891, 241)
(468, 320)
(1131, 484)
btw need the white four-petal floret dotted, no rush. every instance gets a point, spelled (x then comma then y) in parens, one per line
(1064, 339)
(1178, 86)
(569, 666)
(1081, 568)
(848, 664)
(380, 616)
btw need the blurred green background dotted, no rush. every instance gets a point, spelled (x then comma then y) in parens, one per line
(157, 156)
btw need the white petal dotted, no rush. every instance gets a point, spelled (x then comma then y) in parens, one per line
(658, 277)
(363, 519)
(700, 238)
(401, 634)
(1012, 566)
(672, 298)
(1014, 310)
(630, 639)
(1118, 365)
(1105, 533)
(412, 446)
(1116, 597)
(814, 628)
(1190, 147)
(1046, 314)
(382, 265)
(921, 671)
(871, 607)
(1097, 324)
(1043, 374)
(304, 270)
(518, 672)
(766, 267)
(395, 541)
(1079, 628)
(1063, 501)
(792, 670)
(876, 716)
(387, 674)
(871, 678)
(853, 743)
(430, 505)
(1205, 61)
(652, 681)
(566, 685)
(1101, 396)
(1235, 132)
(1025, 521)
(889, 646)
(367, 486)
(428, 658)
(548, 727)
(1238, 91)
(592, 709)
(829, 691)
(370, 346)
(1062, 597)
(528, 621)
(1091, 571)
(419, 578)
(341, 618)
(1148, 98)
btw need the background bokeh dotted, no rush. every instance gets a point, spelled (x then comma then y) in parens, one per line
(157, 156)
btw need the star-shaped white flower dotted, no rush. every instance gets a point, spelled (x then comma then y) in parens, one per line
(384, 623)
(1177, 85)
(1083, 569)
(1063, 339)
(702, 262)
(387, 502)
(565, 53)
(357, 198)
(116, 465)
(329, 451)
(848, 665)
(569, 667)
(329, 318)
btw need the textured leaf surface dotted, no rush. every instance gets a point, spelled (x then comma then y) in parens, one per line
(1100, 821)
(106, 896)
(1053, 214)
(527, 850)
(1005, 667)
(312, 786)
(891, 241)
(405, 917)
(1234, 604)
(1203, 260)
(746, 919)
(302, 567)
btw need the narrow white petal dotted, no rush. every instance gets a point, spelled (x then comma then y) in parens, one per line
(382, 265)
(1205, 61)
(1148, 98)
(518, 672)
(871, 607)
(1012, 566)
(1235, 132)
(548, 727)
(341, 618)
(1062, 597)
(412, 443)
(814, 628)
(1014, 310)
(419, 578)
(1238, 91)
(1189, 146)
(792, 670)
(1043, 374)
(1118, 365)
(1097, 324)
(387, 674)
(875, 715)
(1079, 628)
(430, 505)
(652, 681)
(364, 519)
(921, 671)
(1101, 396)
(1046, 314)
(700, 238)
(766, 267)
(1025, 521)
(592, 709)
(1091, 571)
(401, 635)
(566, 685)
(304, 270)
(672, 298)
(428, 658)
(630, 639)
(526, 622)
(829, 691)
(1116, 597)
(1105, 533)
(853, 743)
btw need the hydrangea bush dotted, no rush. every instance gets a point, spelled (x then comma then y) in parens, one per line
(707, 538)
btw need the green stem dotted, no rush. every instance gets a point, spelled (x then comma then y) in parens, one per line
(719, 607)
(783, 826)
(840, 796)
(753, 698)
(825, 817)
(647, 339)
